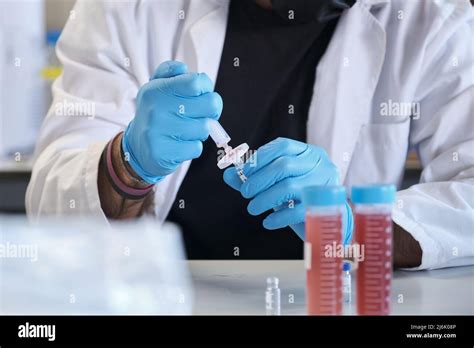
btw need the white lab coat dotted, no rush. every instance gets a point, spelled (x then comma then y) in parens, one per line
(400, 50)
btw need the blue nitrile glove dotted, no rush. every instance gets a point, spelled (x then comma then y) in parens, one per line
(276, 174)
(171, 121)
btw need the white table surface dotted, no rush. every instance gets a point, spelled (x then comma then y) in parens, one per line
(238, 288)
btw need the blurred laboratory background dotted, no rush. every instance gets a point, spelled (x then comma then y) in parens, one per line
(29, 30)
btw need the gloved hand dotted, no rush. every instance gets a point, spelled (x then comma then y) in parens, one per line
(276, 174)
(171, 121)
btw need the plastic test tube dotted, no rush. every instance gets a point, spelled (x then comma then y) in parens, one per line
(325, 206)
(373, 223)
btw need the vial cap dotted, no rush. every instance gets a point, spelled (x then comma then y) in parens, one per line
(346, 266)
(272, 281)
(324, 195)
(373, 194)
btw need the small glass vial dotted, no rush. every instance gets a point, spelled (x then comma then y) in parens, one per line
(373, 224)
(325, 206)
(272, 297)
(346, 283)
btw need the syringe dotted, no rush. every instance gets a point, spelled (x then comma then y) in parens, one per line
(232, 155)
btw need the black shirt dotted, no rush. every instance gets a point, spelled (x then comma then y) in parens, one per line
(266, 79)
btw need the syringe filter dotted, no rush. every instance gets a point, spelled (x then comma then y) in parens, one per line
(233, 156)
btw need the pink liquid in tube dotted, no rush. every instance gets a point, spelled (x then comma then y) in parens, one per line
(373, 233)
(324, 213)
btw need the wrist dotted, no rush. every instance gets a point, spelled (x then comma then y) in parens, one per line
(132, 163)
(124, 171)
(407, 251)
(118, 178)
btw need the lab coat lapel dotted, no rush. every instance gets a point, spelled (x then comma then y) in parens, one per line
(345, 83)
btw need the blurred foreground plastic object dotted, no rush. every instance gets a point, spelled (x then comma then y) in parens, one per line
(85, 267)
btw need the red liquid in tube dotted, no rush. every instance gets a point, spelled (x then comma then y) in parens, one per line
(323, 272)
(374, 233)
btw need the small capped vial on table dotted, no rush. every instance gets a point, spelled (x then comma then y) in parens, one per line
(272, 297)
(346, 282)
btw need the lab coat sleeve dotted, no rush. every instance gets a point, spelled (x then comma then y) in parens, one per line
(439, 211)
(94, 99)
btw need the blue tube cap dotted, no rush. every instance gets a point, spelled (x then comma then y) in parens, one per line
(373, 194)
(324, 195)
